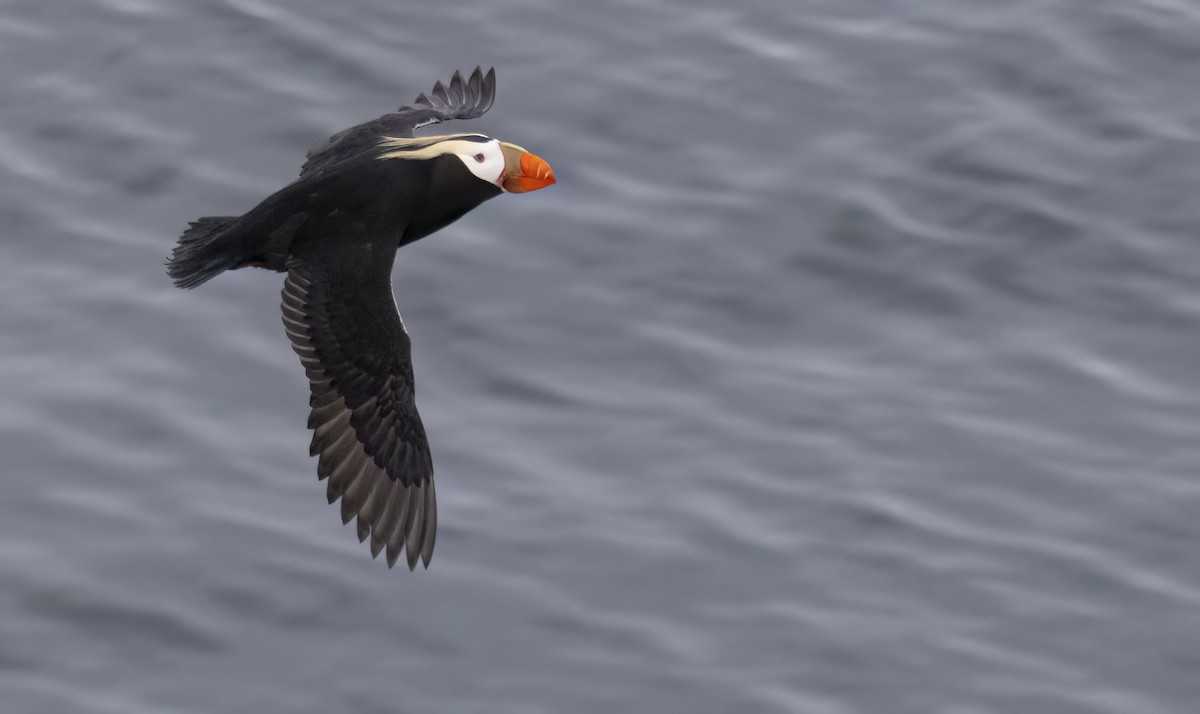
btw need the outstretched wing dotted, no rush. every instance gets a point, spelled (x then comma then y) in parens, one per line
(341, 317)
(461, 100)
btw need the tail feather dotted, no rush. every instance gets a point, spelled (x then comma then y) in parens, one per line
(198, 256)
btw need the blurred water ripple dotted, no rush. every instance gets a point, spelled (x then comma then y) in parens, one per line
(848, 368)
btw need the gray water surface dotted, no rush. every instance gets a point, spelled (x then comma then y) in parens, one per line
(851, 366)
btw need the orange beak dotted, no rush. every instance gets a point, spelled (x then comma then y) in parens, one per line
(525, 171)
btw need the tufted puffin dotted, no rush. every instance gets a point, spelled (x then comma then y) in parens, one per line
(362, 194)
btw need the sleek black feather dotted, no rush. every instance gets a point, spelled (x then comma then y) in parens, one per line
(193, 261)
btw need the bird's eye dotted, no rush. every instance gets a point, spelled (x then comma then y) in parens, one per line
(479, 158)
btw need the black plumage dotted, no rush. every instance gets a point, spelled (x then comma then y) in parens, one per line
(362, 194)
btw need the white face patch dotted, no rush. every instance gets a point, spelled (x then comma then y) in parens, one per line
(484, 159)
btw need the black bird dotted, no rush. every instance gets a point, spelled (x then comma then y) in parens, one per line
(335, 230)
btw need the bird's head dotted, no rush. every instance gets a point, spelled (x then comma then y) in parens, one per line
(506, 166)
(464, 171)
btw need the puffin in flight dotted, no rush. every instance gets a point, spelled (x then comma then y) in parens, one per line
(362, 194)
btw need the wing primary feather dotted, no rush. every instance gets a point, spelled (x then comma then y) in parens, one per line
(377, 500)
(394, 534)
(338, 480)
(337, 453)
(355, 493)
(430, 534)
(489, 91)
(412, 536)
(439, 93)
(456, 90)
(383, 518)
(475, 89)
(323, 399)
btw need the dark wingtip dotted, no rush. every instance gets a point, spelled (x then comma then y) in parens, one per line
(411, 551)
(457, 95)
(439, 94)
(475, 87)
(489, 90)
(462, 98)
(430, 533)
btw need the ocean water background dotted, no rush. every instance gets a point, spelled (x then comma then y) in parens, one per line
(851, 367)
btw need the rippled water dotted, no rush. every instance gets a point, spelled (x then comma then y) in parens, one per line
(850, 366)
